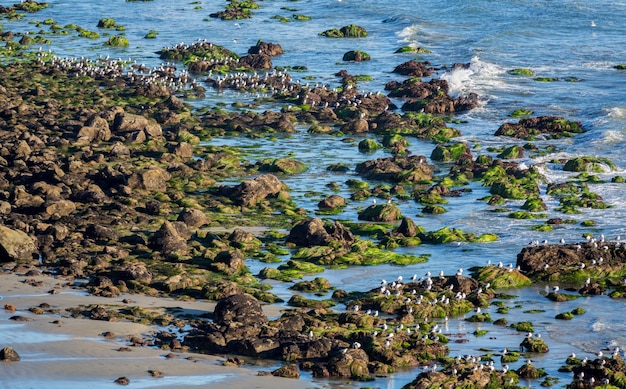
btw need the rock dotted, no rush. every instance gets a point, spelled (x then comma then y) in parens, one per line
(61, 208)
(530, 128)
(99, 313)
(100, 233)
(270, 49)
(358, 126)
(9, 355)
(314, 232)
(407, 228)
(381, 213)
(229, 262)
(154, 178)
(183, 150)
(169, 240)
(122, 381)
(251, 192)
(352, 363)
(332, 202)
(193, 218)
(287, 371)
(399, 168)
(128, 124)
(256, 61)
(136, 271)
(239, 308)
(414, 69)
(16, 245)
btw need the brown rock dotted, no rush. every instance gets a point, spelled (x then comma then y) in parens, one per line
(15, 245)
(332, 202)
(122, 381)
(193, 217)
(168, 238)
(287, 371)
(239, 308)
(9, 355)
(61, 208)
(154, 178)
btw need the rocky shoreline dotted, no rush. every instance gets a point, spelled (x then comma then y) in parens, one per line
(105, 175)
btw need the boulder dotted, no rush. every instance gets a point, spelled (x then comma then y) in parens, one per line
(229, 262)
(239, 308)
(16, 245)
(332, 202)
(154, 178)
(314, 232)
(171, 238)
(61, 208)
(287, 371)
(271, 49)
(251, 192)
(9, 354)
(193, 218)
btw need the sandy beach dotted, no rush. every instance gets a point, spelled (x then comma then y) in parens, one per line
(58, 351)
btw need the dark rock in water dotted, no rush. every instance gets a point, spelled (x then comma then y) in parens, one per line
(314, 232)
(256, 61)
(528, 128)
(9, 355)
(381, 213)
(239, 308)
(407, 228)
(399, 168)
(560, 261)
(271, 49)
(332, 202)
(122, 381)
(288, 371)
(414, 69)
(15, 245)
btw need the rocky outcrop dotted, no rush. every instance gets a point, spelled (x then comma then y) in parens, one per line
(398, 168)
(251, 192)
(549, 126)
(16, 245)
(171, 238)
(8, 354)
(314, 232)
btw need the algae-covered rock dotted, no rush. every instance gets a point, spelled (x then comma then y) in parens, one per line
(369, 145)
(356, 56)
(282, 165)
(502, 277)
(451, 152)
(317, 285)
(381, 213)
(534, 345)
(117, 41)
(448, 235)
(512, 152)
(589, 164)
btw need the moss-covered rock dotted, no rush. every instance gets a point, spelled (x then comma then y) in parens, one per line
(589, 164)
(368, 144)
(356, 56)
(117, 41)
(381, 213)
(501, 277)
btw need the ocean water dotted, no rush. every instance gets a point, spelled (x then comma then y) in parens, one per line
(576, 42)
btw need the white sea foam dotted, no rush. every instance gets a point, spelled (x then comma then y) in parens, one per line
(409, 34)
(598, 326)
(479, 77)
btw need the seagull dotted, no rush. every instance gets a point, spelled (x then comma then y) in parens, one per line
(555, 289)
(593, 24)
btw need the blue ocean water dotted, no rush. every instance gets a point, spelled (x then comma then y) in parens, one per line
(577, 43)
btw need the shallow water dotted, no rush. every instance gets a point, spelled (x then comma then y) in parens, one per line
(559, 38)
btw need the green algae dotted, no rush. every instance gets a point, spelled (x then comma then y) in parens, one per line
(356, 56)
(521, 72)
(369, 145)
(449, 153)
(117, 41)
(523, 326)
(449, 235)
(317, 285)
(381, 213)
(564, 316)
(501, 278)
(589, 165)
(282, 165)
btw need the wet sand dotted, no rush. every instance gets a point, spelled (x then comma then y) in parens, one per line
(58, 351)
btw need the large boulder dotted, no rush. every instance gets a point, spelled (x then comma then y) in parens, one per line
(171, 238)
(15, 245)
(9, 354)
(154, 178)
(251, 192)
(239, 308)
(314, 232)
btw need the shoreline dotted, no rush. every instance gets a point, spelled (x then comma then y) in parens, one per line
(59, 351)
